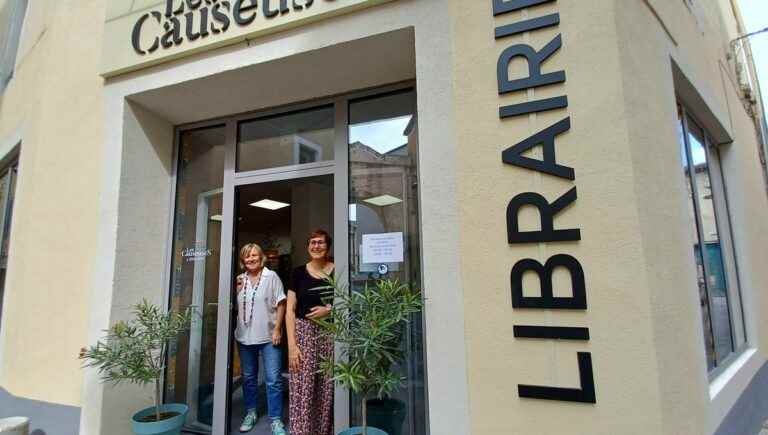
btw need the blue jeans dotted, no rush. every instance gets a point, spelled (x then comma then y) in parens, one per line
(249, 361)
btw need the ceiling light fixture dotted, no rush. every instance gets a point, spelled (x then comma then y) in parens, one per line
(383, 200)
(269, 204)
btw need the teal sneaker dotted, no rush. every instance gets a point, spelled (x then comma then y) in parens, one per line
(249, 421)
(277, 427)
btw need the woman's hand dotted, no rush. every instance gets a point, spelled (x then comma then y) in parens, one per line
(318, 312)
(294, 358)
(277, 336)
(239, 282)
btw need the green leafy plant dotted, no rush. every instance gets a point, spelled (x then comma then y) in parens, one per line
(367, 327)
(135, 351)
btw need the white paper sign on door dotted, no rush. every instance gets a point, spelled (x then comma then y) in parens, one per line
(383, 248)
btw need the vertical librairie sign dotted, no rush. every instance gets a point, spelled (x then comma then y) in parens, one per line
(172, 29)
(548, 208)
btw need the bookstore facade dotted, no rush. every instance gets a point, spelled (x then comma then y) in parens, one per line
(575, 189)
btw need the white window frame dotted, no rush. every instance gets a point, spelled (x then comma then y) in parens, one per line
(738, 324)
(10, 167)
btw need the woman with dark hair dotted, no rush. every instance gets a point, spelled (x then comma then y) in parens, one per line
(310, 391)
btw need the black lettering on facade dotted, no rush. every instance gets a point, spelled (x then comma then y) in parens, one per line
(267, 10)
(548, 164)
(551, 332)
(203, 17)
(298, 7)
(534, 59)
(171, 11)
(527, 25)
(238, 10)
(533, 107)
(172, 35)
(136, 34)
(502, 7)
(585, 394)
(190, 20)
(219, 17)
(547, 300)
(547, 214)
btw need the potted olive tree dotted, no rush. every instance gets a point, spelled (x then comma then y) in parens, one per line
(367, 327)
(135, 352)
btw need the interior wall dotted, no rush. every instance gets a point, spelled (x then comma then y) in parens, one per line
(312, 208)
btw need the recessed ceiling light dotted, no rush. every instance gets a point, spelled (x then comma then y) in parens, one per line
(217, 218)
(269, 204)
(383, 200)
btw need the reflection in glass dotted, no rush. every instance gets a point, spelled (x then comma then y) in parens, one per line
(711, 272)
(7, 189)
(710, 246)
(195, 272)
(709, 342)
(287, 139)
(383, 146)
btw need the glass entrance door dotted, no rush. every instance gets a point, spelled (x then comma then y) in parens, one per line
(277, 216)
(347, 165)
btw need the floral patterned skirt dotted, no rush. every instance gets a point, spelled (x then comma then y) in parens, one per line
(310, 392)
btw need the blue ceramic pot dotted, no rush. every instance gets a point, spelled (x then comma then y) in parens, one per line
(170, 426)
(359, 431)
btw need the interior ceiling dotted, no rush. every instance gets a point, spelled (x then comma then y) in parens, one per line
(359, 64)
(276, 191)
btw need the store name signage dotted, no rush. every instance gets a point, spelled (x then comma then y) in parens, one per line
(196, 254)
(548, 211)
(137, 37)
(189, 20)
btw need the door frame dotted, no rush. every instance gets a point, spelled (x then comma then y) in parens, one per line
(338, 167)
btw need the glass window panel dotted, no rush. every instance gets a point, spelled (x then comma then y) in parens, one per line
(736, 304)
(11, 20)
(195, 272)
(288, 139)
(711, 246)
(7, 189)
(709, 341)
(383, 145)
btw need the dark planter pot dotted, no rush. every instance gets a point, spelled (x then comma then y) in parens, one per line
(169, 426)
(387, 414)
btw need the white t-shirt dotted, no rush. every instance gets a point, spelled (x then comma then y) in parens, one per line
(257, 328)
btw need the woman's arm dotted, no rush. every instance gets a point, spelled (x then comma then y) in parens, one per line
(277, 333)
(278, 298)
(294, 356)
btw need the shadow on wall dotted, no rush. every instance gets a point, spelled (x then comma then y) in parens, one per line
(45, 418)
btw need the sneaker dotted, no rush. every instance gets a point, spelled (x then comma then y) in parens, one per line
(249, 421)
(277, 427)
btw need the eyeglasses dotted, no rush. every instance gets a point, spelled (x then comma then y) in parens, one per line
(317, 243)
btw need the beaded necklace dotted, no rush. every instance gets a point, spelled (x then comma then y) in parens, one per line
(253, 296)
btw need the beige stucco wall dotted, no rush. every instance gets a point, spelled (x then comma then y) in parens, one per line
(53, 105)
(643, 314)
(619, 315)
